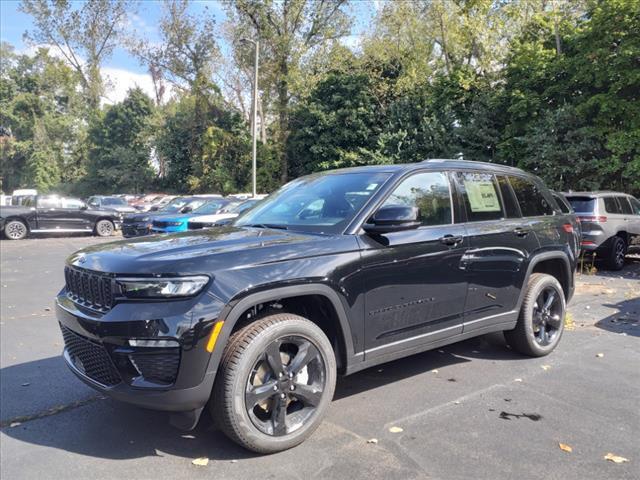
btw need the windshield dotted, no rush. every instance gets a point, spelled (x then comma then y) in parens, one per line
(174, 205)
(582, 204)
(209, 208)
(316, 203)
(114, 201)
(241, 207)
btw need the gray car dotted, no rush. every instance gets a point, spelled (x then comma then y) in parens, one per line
(610, 223)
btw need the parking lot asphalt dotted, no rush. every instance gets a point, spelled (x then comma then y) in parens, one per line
(470, 410)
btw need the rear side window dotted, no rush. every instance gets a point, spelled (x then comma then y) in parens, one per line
(480, 194)
(583, 204)
(530, 198)
(611, 205)
(625, 205)
(510, 203)
(562, 203)
(427, 191)
(635, 205)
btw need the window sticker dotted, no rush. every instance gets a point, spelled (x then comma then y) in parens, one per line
(482, 196)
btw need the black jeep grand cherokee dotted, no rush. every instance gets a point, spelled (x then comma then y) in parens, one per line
(333, 273)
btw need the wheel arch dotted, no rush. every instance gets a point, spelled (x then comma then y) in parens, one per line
(555, 264)
(16, 217)
(293, 299)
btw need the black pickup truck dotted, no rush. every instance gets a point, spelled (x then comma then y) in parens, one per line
(51, 213)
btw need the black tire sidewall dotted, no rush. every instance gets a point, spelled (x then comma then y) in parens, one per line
(255, 439)
(613, 264)
(533, 291)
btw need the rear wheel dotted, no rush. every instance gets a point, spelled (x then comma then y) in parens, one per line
(104, 228)
(276, 381)
(15, 230)
(615, 258)
(541, 320)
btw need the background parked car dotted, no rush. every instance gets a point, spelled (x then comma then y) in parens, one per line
(53, 213)
(138, 224)
(179, 223)
(103, 202)
(225, 216)
(610, 223)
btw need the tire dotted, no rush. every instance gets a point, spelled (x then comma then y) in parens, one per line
(15, 230)
(539, 330)
(305, 394)
(104, 228)
(616, 254)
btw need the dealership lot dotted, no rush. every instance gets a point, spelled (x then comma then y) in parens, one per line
(470, 410)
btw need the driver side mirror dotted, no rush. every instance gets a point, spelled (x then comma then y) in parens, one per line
(392, 218)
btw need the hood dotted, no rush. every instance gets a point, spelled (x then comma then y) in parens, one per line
(172, 217)
(126, 209)
(203, 251)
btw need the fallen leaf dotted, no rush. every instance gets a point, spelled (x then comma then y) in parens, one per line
(565, 447)
(518, 380)
(201, 462)
(373, 440)
(599, 355)
(546, 367)
(396, 429)
(26, 384)
(457, 402)
(434, 371)
(234, 461)
(15, 424)
(615, 458)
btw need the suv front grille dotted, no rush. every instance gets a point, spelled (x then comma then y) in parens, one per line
(90, 358)
(89, 289)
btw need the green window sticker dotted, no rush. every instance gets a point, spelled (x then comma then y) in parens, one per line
(482, 196)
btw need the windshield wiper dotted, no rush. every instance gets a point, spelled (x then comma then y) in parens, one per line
(267, 225)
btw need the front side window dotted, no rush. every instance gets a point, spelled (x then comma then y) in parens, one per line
(429, 192)
(114, 202)
(208, 208)
(635, 205)
(611, 205)
(323, 203)
(49, 202)
(480, 196)
(625, 205)
(72, 203)
(530, 198)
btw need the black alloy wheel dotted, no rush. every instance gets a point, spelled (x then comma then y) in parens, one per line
(285, 386)
(547, 316)
(617, 253)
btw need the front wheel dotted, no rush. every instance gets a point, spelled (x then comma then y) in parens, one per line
(104, 228)
(541, 320)
(276, 381)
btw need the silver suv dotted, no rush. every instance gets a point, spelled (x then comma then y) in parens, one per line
(610, 223)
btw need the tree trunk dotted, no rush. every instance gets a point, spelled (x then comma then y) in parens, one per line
(283, 119)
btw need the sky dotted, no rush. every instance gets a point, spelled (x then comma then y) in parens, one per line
(122, 69)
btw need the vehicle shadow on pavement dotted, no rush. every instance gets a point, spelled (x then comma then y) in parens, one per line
(625, 321)
(104, 428)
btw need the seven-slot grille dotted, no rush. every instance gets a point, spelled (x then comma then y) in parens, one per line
(90, 358)
(90, 289)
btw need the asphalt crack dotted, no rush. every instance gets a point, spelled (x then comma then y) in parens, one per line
(50, 411)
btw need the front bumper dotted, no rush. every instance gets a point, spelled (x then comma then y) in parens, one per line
(136, 229)
(98, 352)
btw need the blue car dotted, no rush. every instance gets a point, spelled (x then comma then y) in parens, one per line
(180, 222)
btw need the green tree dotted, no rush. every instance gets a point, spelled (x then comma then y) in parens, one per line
(120, 157)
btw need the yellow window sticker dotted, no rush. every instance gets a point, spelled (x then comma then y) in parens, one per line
(482, 196)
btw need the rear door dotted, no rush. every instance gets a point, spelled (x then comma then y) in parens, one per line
(634, 218)
(501, 243)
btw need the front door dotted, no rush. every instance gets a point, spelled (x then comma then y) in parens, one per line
(415, 287)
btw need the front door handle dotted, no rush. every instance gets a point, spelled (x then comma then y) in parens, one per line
(451, 239)
(521, 232)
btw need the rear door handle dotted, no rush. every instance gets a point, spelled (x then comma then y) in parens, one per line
(451, 239)
(521, 232)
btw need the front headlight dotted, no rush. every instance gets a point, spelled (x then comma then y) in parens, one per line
(174, 287)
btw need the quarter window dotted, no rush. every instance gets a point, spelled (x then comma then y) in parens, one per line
(430, 192)
(611, 205)
(530, 198)
(481, 198)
